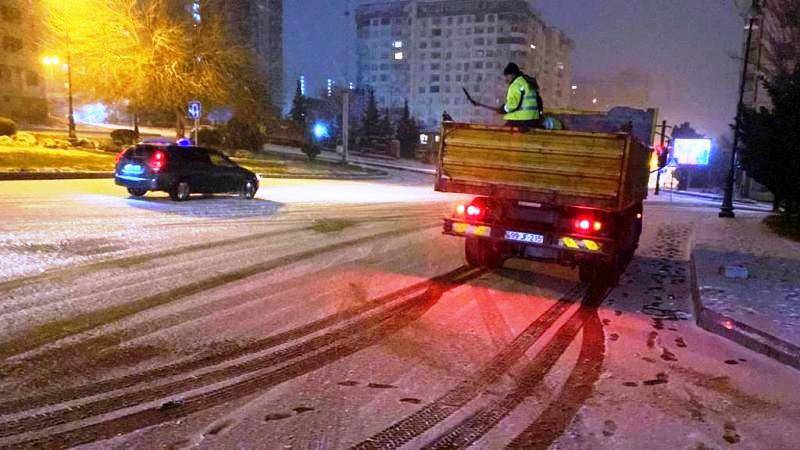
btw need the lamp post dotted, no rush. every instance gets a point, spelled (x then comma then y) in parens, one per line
(51, 61)
(71, 119)
(726, 210)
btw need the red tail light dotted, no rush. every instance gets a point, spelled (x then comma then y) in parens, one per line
(587, 225)
(476, 209)
(119, 156)
(158, 160)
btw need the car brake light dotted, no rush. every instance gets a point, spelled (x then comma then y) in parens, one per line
(158, 160)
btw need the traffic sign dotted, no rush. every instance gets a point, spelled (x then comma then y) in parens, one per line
(195, 109)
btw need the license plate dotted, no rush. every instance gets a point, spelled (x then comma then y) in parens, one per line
(133, 168)
(529, 238)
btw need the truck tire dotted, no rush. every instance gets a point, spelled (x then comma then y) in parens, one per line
(600, 274)
(481, 253)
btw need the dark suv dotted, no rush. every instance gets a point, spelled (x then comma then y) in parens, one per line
(181, 171)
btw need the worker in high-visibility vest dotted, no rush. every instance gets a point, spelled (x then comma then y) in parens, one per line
(523, 107)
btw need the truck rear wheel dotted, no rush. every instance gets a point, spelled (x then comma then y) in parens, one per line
(604, 274)
(481, 253)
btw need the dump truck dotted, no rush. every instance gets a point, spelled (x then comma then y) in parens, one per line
(572, 197)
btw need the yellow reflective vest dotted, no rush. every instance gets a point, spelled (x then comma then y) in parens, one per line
(521, 101)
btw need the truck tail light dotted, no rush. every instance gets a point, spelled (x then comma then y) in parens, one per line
(587, 224)
(476, 209)
(158, 161)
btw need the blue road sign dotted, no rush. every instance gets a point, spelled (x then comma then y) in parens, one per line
(195, 109)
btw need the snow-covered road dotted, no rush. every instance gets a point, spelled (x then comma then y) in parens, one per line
(332, 314)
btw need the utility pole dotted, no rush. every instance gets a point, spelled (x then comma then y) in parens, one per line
(345, 126)
(726, 210)
(661, 147)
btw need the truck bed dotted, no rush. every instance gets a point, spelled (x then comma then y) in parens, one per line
(563, 168)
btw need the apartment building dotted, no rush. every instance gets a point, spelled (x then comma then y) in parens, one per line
(426, 51)
(22, 87)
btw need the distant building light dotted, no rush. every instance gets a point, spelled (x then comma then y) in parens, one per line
(330, 87)
(437, 138)
(397, 44)
(352, 86)
(398, 56)
(560, 66)
(423, 139)
(302, 85)
(574, 87)
(594, 100)
(533, 46)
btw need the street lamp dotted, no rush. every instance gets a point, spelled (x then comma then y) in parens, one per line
(752, 9)
(51, 61)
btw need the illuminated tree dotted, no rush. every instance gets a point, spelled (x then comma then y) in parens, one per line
(154, 55)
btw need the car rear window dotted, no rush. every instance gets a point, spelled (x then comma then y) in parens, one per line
(140, 152)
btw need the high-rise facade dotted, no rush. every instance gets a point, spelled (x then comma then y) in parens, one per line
(258, 25)
(426, 51)
(771, 31)
(22, 87)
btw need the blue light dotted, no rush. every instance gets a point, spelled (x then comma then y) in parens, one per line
(321, 131)
(184, 142)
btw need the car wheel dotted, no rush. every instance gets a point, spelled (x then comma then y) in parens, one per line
(137, 192)
(181, 191)
(248, 190)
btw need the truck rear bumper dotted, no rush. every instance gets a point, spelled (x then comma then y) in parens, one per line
(539, 245)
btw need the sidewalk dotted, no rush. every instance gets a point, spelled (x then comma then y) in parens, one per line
(761, 311)
(358, 159)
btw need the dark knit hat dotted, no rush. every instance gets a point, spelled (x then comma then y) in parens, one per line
(512, 69)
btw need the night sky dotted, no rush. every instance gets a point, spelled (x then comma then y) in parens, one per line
(689, 46)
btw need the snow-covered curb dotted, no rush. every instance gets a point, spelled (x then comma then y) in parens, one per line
(739, 332)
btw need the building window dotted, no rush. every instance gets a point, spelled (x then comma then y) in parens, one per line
(397, 44)
(436, 32)
(398, 56)
(11, 44)
(435, 78)
(423, 44)
(436, 66)
(434, 89)
(436, 44)
(386, 21)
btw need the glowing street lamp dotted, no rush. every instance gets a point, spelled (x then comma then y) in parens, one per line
(51, 61)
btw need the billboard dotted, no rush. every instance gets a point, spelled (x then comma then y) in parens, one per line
(692, 152)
